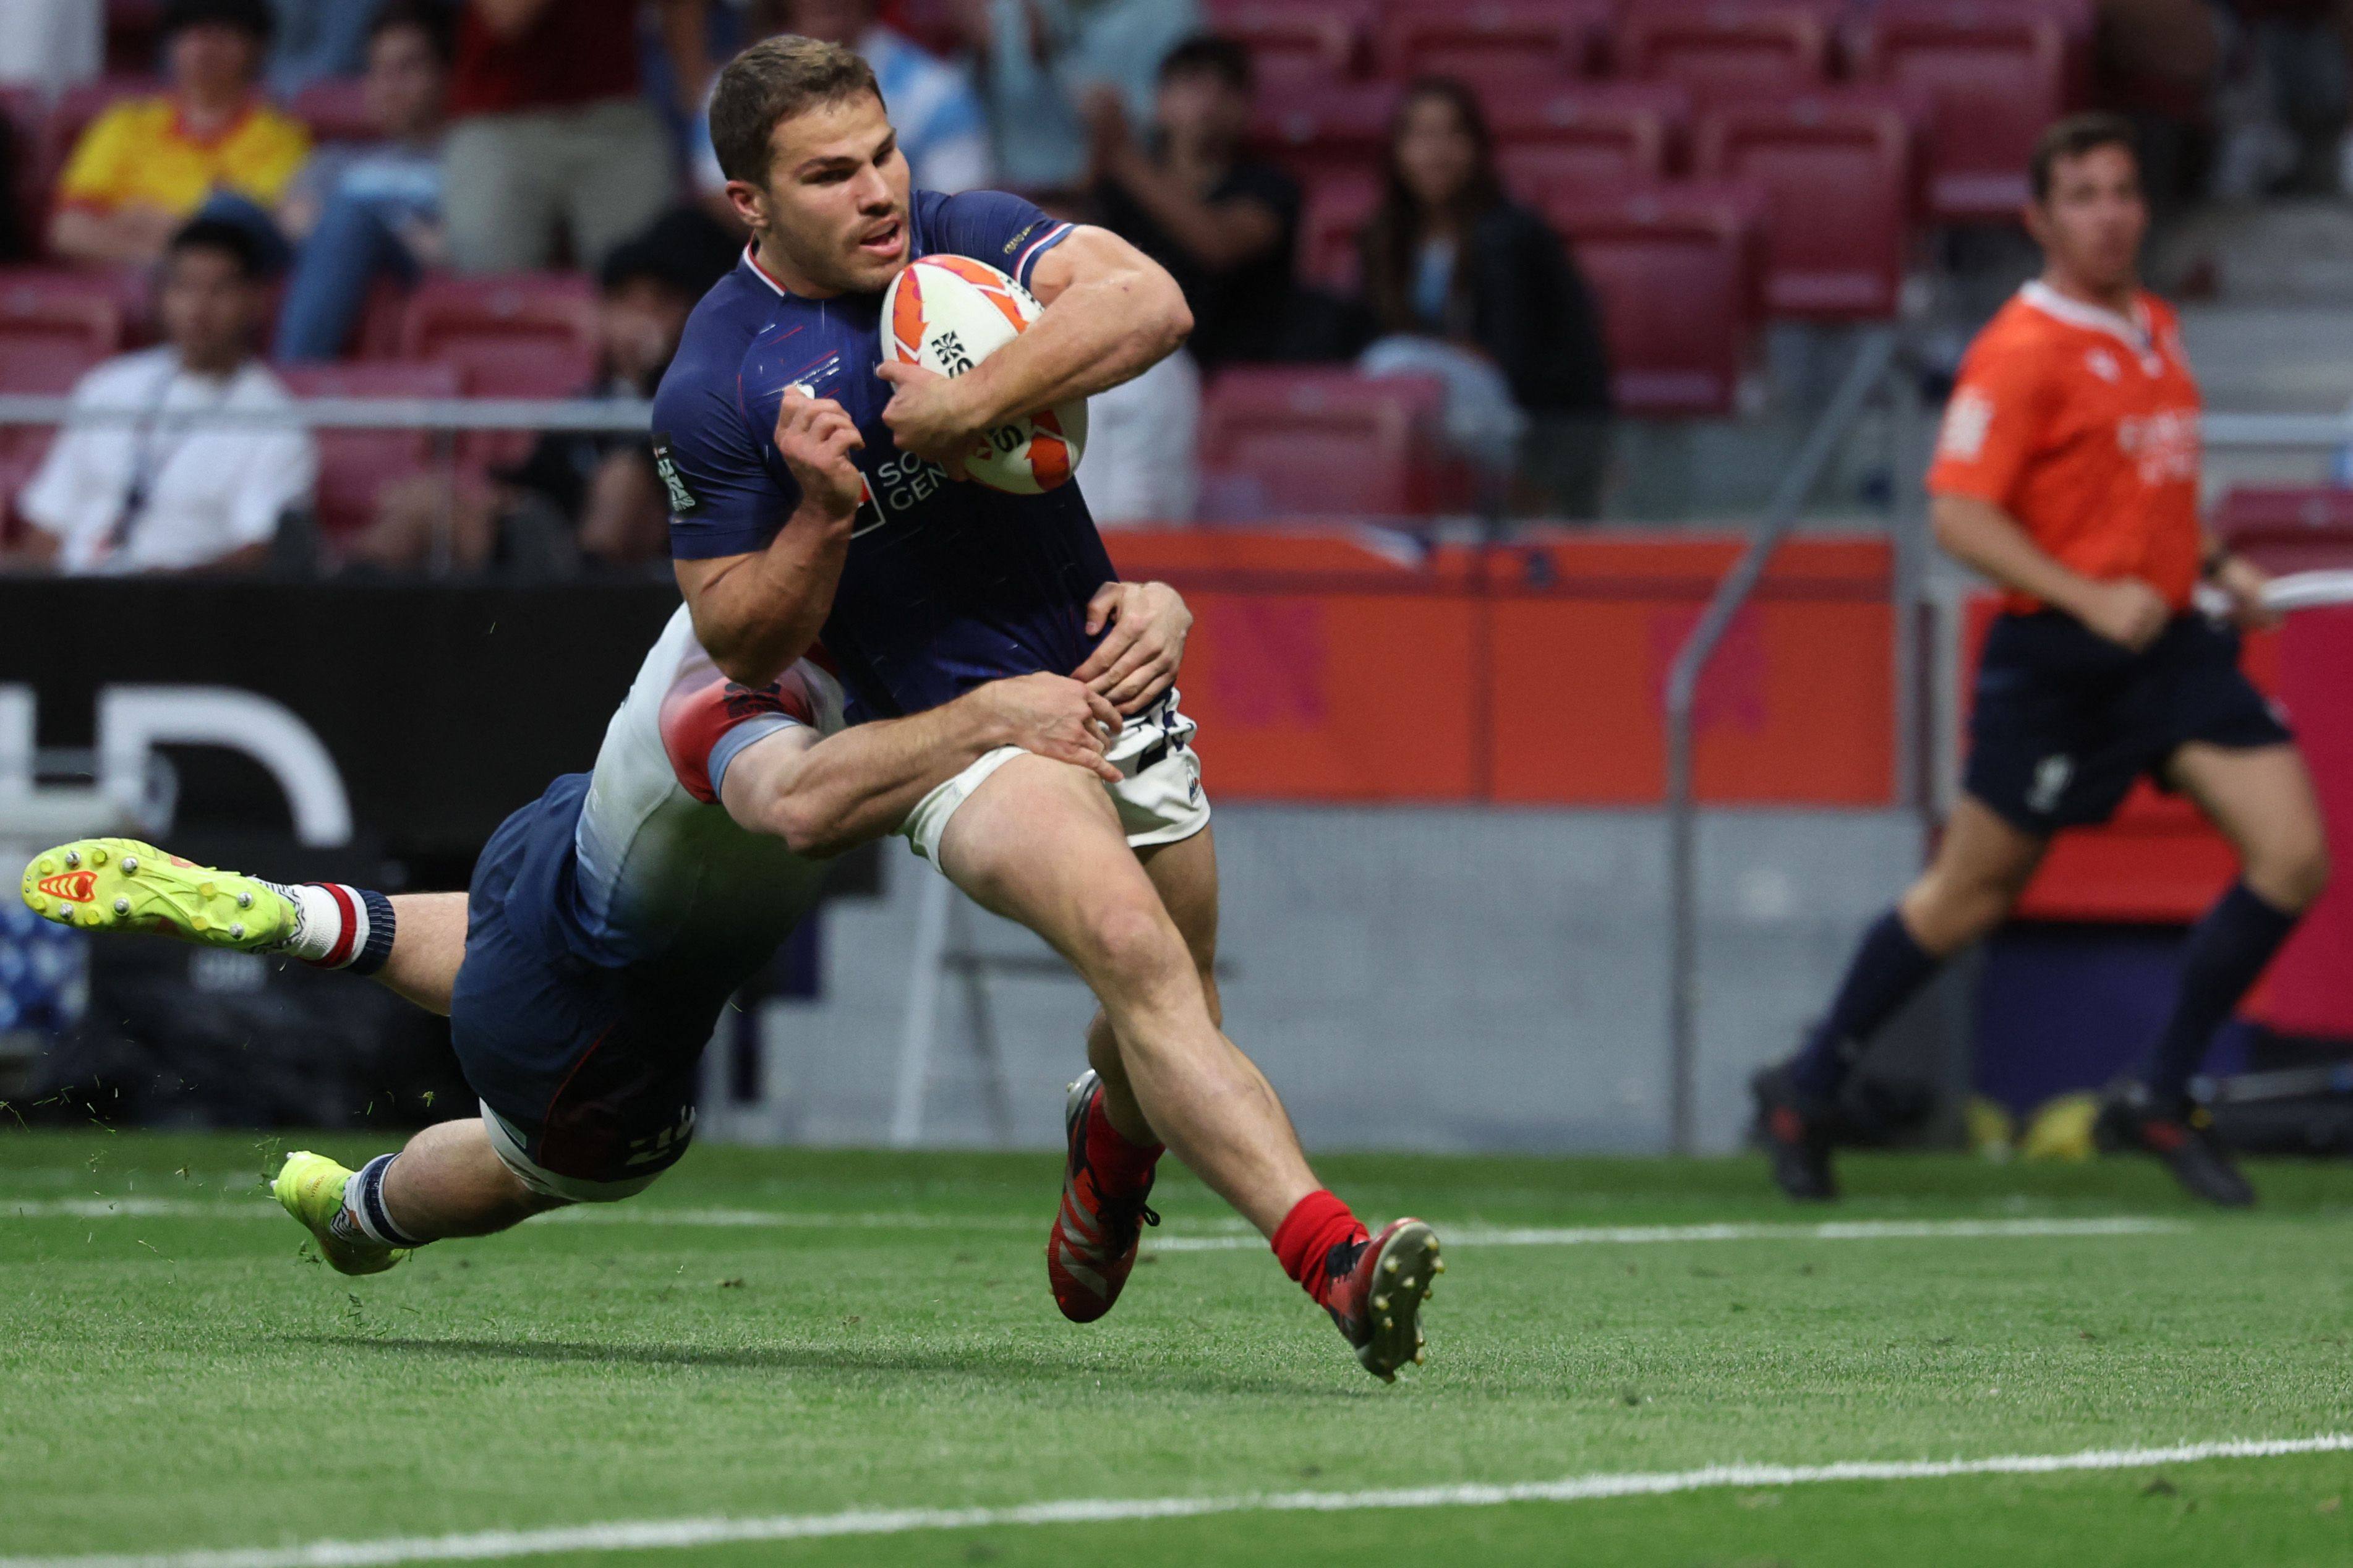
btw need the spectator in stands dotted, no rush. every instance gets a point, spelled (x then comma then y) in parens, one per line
(1038, 59)
(51, 44)
(1469, 285)
(555, 138)
(147, 494)
(932, 105)
(318, 39)
(1225, 226)
(147, 165)
(357, 212)
(579, 498)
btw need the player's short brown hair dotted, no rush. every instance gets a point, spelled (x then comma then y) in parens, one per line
(2071, 138)
(768, 84)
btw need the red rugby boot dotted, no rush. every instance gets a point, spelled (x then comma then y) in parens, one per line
(1092, 1247)
(1377, 1286)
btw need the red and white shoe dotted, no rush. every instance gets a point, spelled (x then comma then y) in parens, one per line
(1378, 1286)
(1092, 1249)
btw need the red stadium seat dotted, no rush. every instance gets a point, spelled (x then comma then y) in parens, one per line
(54, 326)
(530, 334)
(1995, 75)
(1331, 130)
(1285, 442)
(1675, 268)
(1335, 213)
(1490, 42)
(356, 465)
(2290, 530)
(1836, 170)
(1726, 50)
(1554, 139)
(336, 109)
(1297, 41)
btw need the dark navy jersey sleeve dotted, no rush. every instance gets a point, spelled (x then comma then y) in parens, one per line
(1006, 231)
(725, 497)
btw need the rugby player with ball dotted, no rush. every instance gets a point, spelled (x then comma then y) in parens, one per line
(831, 480)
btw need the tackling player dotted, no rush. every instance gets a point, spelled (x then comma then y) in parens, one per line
(814, 487)
(609, 923)
(2067, 471)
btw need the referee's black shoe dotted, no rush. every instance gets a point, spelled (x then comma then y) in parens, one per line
(1795, 1130)
(2131, 1120)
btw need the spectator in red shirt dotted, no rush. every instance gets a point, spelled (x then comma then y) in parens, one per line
(555, 137)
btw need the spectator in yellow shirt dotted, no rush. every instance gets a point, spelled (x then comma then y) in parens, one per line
(148, 164)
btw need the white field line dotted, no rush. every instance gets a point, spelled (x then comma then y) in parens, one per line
(639, 1535)
(1237, 1240)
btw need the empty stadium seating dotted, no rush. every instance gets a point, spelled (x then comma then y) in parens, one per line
(1994, 74)
(1335, 213)
(1836, 172)
(1723, 50)
(334, 110)
(1297, 40)
(2290, 530)
(1319, 129)
(1285, 441)
(521, 335)
(354, 464)
(1554, 139)
(1491, 42)
(1675, 266)
(54, 325)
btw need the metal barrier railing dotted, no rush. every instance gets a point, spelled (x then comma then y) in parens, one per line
(1874, 358)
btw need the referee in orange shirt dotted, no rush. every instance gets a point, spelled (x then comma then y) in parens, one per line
(2067, 471)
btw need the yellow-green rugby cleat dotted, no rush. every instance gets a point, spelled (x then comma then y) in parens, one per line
(120, 884)
(310, 1188)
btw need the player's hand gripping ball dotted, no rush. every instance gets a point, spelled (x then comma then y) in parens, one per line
(947, 313)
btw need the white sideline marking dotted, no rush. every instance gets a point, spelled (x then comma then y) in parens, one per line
(1836, 1230)
(639, 1535)
(1238, 1241)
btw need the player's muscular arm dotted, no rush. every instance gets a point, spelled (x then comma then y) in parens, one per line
(755, 614)
(1978, 533)
(1111, 313)
(833, 795)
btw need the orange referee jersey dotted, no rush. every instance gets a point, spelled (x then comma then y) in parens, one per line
(2083, 424)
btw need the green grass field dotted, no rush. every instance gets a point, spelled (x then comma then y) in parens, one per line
(799, 1334)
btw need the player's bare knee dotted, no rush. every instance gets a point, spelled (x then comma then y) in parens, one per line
(1133, 947)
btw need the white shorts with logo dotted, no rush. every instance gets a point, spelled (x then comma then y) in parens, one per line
(1158, 795)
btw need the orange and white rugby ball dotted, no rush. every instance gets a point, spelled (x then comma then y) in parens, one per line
(947, 313)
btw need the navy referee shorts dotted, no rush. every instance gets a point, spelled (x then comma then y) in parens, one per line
(2065, 720)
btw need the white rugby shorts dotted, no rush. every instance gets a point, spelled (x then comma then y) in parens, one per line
(1158, 795)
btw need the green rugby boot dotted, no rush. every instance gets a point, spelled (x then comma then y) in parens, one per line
(310, 1188)
(120, 884)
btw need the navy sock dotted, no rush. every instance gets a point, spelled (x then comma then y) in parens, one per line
(1888, 969)
(364, 1204)
(2226, 953)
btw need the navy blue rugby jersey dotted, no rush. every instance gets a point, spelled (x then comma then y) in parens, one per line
(948, 583)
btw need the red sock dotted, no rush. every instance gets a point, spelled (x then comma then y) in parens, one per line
(1120, 1166)
(1316, 1225)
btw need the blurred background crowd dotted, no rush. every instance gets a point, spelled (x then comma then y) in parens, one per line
(1447, 257)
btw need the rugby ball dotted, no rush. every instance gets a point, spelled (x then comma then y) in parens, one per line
(947, 313)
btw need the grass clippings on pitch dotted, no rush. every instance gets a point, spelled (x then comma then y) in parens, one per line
(177, 1373)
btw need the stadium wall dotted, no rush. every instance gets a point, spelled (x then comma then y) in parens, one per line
(1431, 978)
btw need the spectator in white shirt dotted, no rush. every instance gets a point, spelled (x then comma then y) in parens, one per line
(159, 489)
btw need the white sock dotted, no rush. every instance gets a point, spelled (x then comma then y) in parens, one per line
(318, 920)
